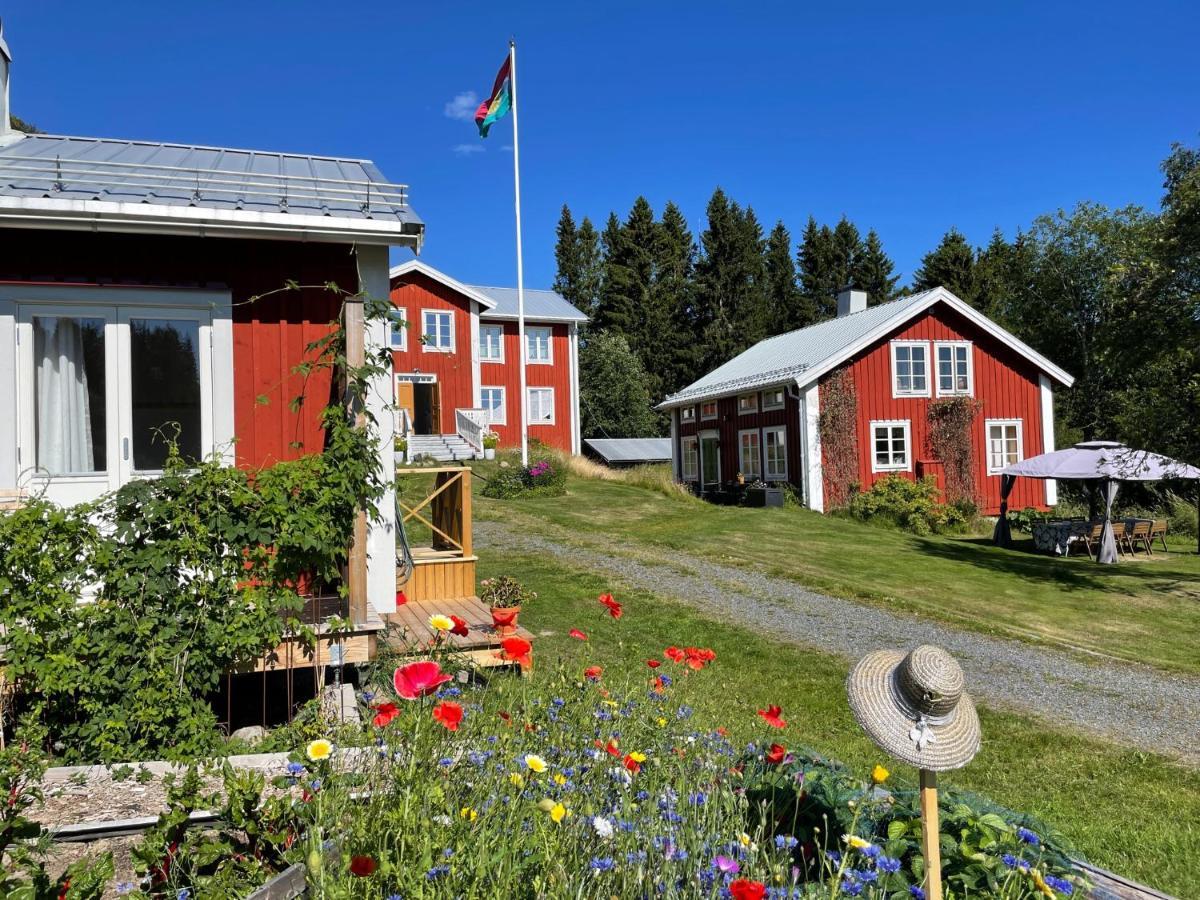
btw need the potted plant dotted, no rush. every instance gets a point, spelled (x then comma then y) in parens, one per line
(505, 595)
(491, 441)
(400, 445)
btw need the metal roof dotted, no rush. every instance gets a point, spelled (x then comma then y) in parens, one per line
(545, 306)
(65, 175)
(630, 450)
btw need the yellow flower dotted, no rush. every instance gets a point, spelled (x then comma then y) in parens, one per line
(879, 775)
(637, 757)
(1040, 883)
(612, 703)
(535, 763)
(745, 839)
(438, 622)
(662, 723)
(469, 814)
(319, 749)
(516, 779)
(856, 842)
(560, 778)
(557, 813)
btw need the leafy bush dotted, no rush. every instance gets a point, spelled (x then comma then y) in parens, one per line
(505, 484)
(504, 592)
(911, 505)
(491, 440)
(541, 478)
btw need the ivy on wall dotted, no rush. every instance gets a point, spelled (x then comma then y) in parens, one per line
(951, 424)
(838, 425)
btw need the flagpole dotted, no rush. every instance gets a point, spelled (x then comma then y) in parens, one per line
(522, 351)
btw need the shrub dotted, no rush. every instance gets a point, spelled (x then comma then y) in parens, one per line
(505, 484)
(504, 592)
(904, 503)
(1024, 519)
(491, 440)
(541, 478)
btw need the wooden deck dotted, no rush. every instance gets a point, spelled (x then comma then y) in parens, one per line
(481, 646)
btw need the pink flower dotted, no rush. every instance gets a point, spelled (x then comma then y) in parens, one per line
(418, 679)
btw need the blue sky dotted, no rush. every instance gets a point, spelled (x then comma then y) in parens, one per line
(906, 117)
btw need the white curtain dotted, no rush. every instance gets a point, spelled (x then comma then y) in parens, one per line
(64, 420)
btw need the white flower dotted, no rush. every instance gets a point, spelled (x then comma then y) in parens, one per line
(604, 828)
(443, 820)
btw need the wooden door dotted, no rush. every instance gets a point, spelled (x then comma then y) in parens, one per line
(404, 397)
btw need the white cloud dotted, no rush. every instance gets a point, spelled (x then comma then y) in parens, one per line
(463, 106)
(467, 149)
(507, 148)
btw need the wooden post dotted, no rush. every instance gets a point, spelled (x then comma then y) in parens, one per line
(466, 512)
(931, 847)
(354, 324)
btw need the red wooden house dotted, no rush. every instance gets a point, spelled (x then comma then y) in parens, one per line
(456, 361)
(759, 414)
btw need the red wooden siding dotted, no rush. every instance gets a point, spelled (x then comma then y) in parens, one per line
(557, 376)
(1005, 384)
(729, 422)
(269, 335)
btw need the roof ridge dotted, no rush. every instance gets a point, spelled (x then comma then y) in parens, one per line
(501, 287)
(182, 146)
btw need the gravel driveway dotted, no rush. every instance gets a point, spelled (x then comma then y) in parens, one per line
(1126, 704)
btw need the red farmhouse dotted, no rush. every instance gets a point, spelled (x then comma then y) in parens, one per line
(759, 414)
(457, 364)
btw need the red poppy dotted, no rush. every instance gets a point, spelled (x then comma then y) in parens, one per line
(460, 626)
(632, 764)
(362, 866)
(506, 718)
(723, 731)
(770, 715)
(384, 713)
(610, 748)
(401, 598)
(674, 654)
(592, 673)
(658, 684)
(614, 608)
(418, 679)
(515, 649)
(653, 663)
(776, 754)
(578, 635)
(745, 889)
(449, 714)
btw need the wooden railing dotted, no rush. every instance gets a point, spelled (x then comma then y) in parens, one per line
(445, 510)
(471, 425)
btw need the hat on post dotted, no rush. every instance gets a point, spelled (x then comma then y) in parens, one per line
(914, 707)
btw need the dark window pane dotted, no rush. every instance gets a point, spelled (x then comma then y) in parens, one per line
(164, 358)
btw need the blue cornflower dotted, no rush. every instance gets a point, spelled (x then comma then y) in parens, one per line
(437, 872)
(394, 897)
(1009, 860)
(917, 892)
(1060, 884)
(448, 852)
(834, 857)
(315, 784)
(635, 856)
(673, 817)
(450, 692)
(601, 864)
(666, 679)
(851, 888)
(684, 712)
(1028, 836)
(295, 768)
(641, 796)
(368, 696)
(888, 865)
(558, 701)
(445, 761)
(785, 841)
(186, 894)
(866, 876)
(697, 799)
(871, 852)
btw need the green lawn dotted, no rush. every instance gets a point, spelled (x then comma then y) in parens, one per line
(1132, 812)
(1147, 610)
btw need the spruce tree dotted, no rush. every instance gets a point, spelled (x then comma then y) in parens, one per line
(950, 265)
(875, 271)
(847, 257)
(615, 312)
(672, 291)
(577, 253)
(813, 262)
(784, 301)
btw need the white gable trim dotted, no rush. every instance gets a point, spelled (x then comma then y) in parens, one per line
(415, 265)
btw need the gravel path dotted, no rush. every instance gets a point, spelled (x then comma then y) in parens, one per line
(1129, 705)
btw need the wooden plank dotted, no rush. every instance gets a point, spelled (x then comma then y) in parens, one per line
(287, 885)
(1107, 885)
(466, 512)
(930, 843)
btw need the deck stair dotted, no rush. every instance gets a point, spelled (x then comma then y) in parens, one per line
(442, 447)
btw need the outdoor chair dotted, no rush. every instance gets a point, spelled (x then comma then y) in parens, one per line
(1091, 537)
(1120, 536)
(1158, 529)
(1139, 534)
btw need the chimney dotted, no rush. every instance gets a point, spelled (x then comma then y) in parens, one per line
(5, 65)
(851, 301)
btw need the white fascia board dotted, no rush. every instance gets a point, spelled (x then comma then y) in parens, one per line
(150, 218)
(1046, 396)
(415, 265)
(512, 317)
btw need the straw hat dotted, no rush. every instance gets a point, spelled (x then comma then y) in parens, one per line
(914, 707)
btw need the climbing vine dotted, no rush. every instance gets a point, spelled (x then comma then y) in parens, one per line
(839, 438)
(951, 422)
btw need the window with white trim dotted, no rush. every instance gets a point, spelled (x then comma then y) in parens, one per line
(747, 404)
(539, 347)
(953, 368)
(775, 466)
(708, 410)
(398, 333)
(541, 406)
(491, 343)
(689, 459)
(687, 414)
(749, 454)
(772, 399)
(437, 331)
(890, 442)
(1004, 444)
(492, 400)
(910, 369)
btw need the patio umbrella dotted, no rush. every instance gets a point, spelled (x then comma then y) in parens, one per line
(1105, 462)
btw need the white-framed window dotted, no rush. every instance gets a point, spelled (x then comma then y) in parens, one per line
(954, 368)
(750, 454)
(891, 443)
(687, 414)
(910, 369)
(775, 467)
(689, 458)
(398, 334)
(539, 348)
(492, 400)
(1004, 443)
(773, 399)
(437, 331)
(491, 343)
(708, 410)
(747, 404)
(541, 406)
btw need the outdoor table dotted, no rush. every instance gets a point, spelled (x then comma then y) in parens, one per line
(1056, 537)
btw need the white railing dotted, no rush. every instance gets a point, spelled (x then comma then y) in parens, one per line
(471, 425)
(403, 423)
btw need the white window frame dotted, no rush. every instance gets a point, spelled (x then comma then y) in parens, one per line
(937, 369)
(689, 450)
(896, 392)
(399, 314)
(988, 424)
(433, 348)
(529, 400)
(767, 474)
(876, 466)
(496, 418)
(771, 392)
(530, 332)
(705, 417)
(742, 456)
(747, 410)
(687, 414)
(487, 328)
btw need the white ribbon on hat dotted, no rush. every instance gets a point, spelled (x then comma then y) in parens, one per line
(922, 734)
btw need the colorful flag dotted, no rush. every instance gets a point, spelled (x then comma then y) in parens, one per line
(499, 103)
